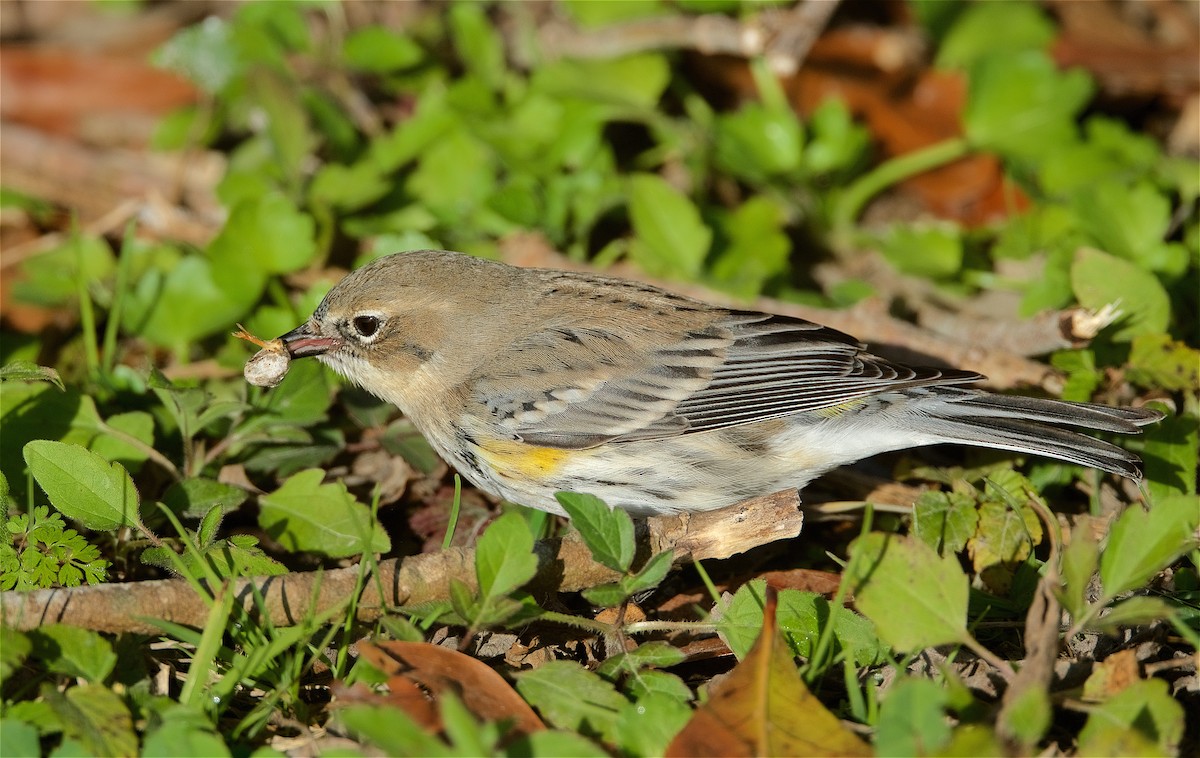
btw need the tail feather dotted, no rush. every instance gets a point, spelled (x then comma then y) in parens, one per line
(1032, 425)
(973, 403)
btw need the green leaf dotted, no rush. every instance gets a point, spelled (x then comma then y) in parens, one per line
(478, 43)
(552, 743)
(1101, 280)
(652, 574)
(82, 485)
(96, 717)
(912, 719)
(671, 240)
(204, 53)
(758, 248)
(634, 80)
(985, 29)
(1172, 454)
(1136, 611)
(192, 301)
(391, 730)
(504, 557)
(18, 738)
(14, 649)
(454, 176)
(658, 653)
(1157, 361)
(934, 251)
(305, 515)
(378, 50)
(887, 572)
(648, 726)
(1079, 562)
(182, 733)
(1021, 106)
(193, 498)
(268, 230)
(571, 697)
(608, 532)
(51, 277)
(73, 651)
(26, 371)
(1143, 542)
(756, 142)
(138, 425)
(1130, 222)
(1142, 719)
(945, 520)
(1029, 716)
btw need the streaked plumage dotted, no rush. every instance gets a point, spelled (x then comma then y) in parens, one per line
(532, 381)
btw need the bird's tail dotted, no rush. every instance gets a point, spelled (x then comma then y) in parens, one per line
(1032, 425)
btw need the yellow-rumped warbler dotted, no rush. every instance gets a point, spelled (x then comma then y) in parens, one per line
(534, 381)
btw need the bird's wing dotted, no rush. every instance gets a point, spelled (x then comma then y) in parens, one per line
(577, 387)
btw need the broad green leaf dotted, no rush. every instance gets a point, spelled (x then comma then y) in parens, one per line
(652, 574)
(800, 617)
(1006, 534)
(454, 176)
(1172, 454)
(555, 742)
(391, 730)
(757, 143)
(634, 80)
(192, 498)
(1029, 716)
(96, 717)
(305, 515)
(835, 143)
(658, 682)
(1101, 280)
(52, 278)
(74, 652)
(648, 726)
(269, 231)
(192, 301)
(504, 557)
(608, 532)
(1158, 362)
(1142, 719)
(934, 251)
(137, 424)
(14, 649)
(478, 42)
(1130, 222)
(659, 654)
(184, 739)
(377, 49)
(1135, 611)
(887, 572)
(912, 719)
(19, 738)
(1020, 105)
(945, 520)
(988, 28)
(204, 53)
(671, 240)
(758, 248)
(571, 697)
(1143, 542)
(82, 485)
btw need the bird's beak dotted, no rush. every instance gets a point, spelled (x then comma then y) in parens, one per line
(302, 342)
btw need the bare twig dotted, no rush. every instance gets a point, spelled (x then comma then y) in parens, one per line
(564, 566)
(784, 37)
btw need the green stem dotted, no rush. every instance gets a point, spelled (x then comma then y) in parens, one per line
(122, 281)
(769, 89)
(848, 207)
(816, 662)
(87, 315)
(454, 507)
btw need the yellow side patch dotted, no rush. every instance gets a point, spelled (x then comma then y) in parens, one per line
(834, 411)
(516, 459)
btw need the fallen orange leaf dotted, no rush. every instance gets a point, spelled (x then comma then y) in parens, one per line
(764, 708)
(483, 691)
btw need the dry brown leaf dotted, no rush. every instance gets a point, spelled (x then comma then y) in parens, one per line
(764, 708)
(483, 691)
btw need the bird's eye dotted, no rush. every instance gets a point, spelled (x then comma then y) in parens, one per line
(366, 326)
